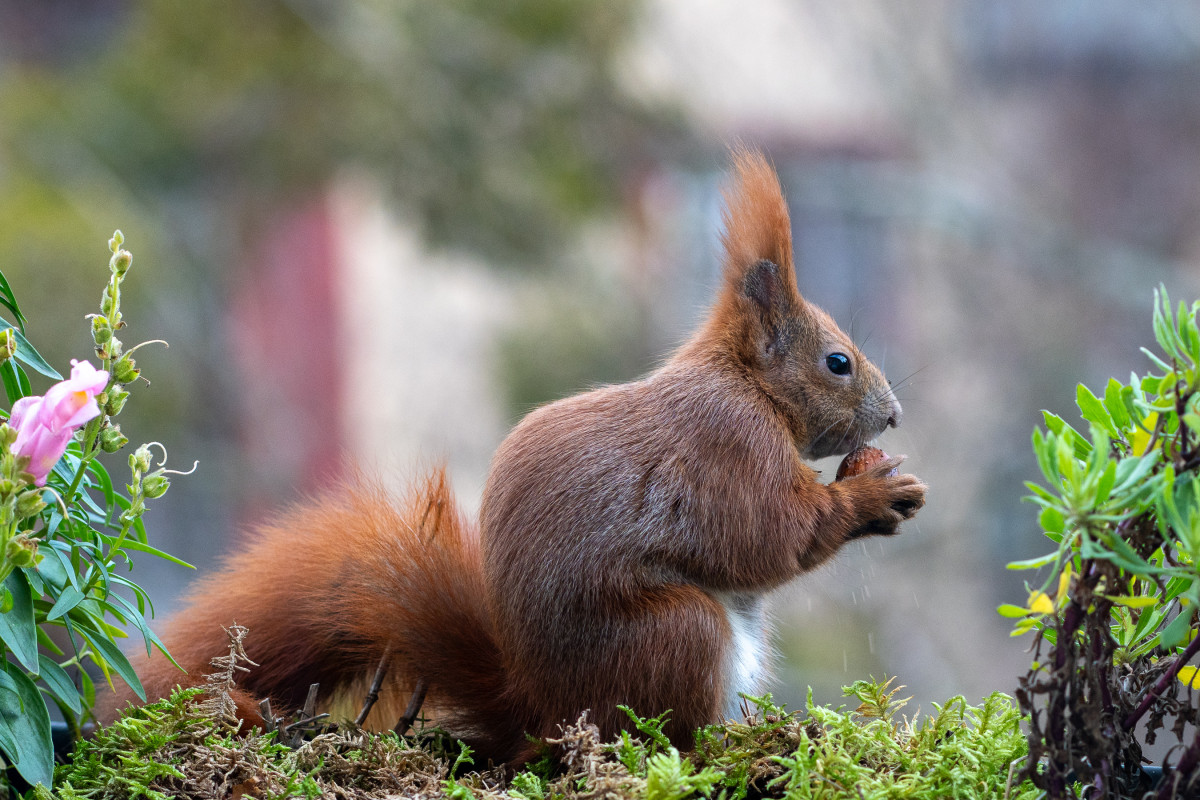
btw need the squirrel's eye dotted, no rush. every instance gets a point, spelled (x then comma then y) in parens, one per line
(838, 363)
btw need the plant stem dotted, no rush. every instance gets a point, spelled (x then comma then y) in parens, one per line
(1185, 767)
(1161, 685)
(89, 447)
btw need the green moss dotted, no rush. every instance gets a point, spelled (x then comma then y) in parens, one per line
(170, 749)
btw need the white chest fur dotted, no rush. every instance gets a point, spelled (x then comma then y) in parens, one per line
(746, 659)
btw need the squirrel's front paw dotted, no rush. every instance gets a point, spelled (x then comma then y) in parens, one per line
(888, 498)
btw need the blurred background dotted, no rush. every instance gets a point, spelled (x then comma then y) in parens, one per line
(376, 233)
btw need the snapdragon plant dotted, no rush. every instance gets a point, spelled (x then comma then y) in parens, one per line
(67, 532)
(1114, 617)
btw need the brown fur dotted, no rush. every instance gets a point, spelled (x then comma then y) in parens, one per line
(618, 529)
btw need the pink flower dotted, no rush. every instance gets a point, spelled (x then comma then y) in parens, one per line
(44, 425)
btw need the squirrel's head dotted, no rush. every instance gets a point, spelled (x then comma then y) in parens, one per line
(832, 397)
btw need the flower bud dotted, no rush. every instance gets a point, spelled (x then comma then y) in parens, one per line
(131, 514)
(155, 486)
(108, 305)
(29, 504)
(139, 460)
(23, 474)
(8, 345)
(119, 263)
(22, 551)
(126, 370)
(101, 330)
(7, 487)
(115, 401)
(116, 241)
(112, 440)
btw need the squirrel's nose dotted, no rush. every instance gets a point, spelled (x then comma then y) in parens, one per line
(896, 415)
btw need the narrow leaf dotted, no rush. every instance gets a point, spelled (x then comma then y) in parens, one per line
(9, 301)
(1091, 409)
(1137, 601)
(27, 355)
(15, 381)
(113, 656)
(30, 729)
(70, 598)
(1034, 563)
(60, 684)
(1176, 631)
(18, 630)
(1115, 402)
(145, 548)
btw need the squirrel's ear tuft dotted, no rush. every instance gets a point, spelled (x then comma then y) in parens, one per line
(757, 227)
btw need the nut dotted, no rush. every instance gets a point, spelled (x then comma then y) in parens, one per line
(859, 461)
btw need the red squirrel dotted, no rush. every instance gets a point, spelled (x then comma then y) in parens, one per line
(625, 543)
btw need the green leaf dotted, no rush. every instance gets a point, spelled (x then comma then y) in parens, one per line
(65, 467)
(1192, 420)
(18, 630)
(1052, 520)
(1011, 611)
(56, 568)
(148, 636)
(1147, 622)
(1091, 409)
(1059, 426)
(99, 514)
(46, 643)
(1043, 449)
(70, 598)
(145, 548)
(1132, 470)
(1156, 382)
(1104, 485)
(1176, 631)
(27, 355)
(9, 301)
(16, 382)
(1034, 563)
(10, 702)
(1117, 402)
(60, 684)
(106, 486)
(1135, 601)
(1041, 495)
(88, 687)
(111, 654)
(8, 741)
(30, 728)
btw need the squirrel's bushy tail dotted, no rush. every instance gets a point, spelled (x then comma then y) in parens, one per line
(330, 585)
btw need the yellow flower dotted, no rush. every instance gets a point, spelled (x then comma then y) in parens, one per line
(1040, 603)
(1139, 440)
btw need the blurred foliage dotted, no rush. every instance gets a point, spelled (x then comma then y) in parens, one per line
(498, 125)
(569, 340)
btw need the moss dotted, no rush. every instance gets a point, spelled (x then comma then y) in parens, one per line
(173, 749)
